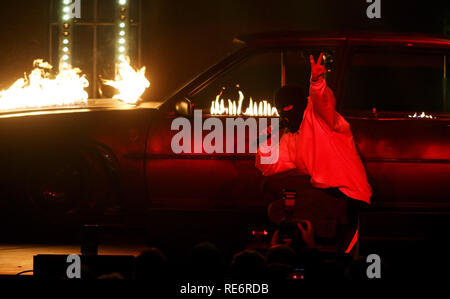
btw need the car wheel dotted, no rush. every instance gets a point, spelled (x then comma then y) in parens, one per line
(72, 188)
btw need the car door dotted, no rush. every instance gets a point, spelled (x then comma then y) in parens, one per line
(223, 179)
(396, 102)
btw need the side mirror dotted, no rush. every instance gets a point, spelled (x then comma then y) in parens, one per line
(183, 107)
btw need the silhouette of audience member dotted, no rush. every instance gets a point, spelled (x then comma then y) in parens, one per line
(207, 262)
(329, 270)
(356, 270)
(280, 261)
(111, 276)
(151, 265)
(248, 264)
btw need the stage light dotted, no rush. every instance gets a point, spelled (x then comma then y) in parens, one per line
(66, 32)
(122, 31)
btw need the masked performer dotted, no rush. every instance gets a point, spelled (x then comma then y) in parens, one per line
(318, 146)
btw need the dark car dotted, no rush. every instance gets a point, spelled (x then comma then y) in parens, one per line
(392, 89)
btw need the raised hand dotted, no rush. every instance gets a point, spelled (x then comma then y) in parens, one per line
(317, 69)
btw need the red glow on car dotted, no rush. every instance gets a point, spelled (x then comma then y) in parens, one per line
(288, 108)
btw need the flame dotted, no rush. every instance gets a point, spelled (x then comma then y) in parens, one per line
(422, 115)
(261, 108)
(41, 89)
(129, 82)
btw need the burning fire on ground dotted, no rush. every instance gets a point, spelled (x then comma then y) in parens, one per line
(41, 88)
(230, 107)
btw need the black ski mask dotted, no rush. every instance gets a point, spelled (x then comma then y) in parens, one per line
(291, 102)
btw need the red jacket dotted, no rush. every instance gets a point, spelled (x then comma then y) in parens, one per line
(322, 148)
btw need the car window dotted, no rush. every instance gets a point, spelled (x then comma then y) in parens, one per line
(395, 81)
(257, 78)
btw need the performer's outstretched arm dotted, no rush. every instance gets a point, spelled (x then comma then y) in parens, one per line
(321, 95)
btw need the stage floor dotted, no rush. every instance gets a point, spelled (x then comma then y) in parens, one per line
(174, 232)
(15, 258)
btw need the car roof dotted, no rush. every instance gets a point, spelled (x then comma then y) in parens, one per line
(289, 37)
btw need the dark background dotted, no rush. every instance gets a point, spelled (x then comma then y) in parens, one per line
(182, 38)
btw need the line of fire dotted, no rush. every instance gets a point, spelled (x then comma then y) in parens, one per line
(224, 147)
